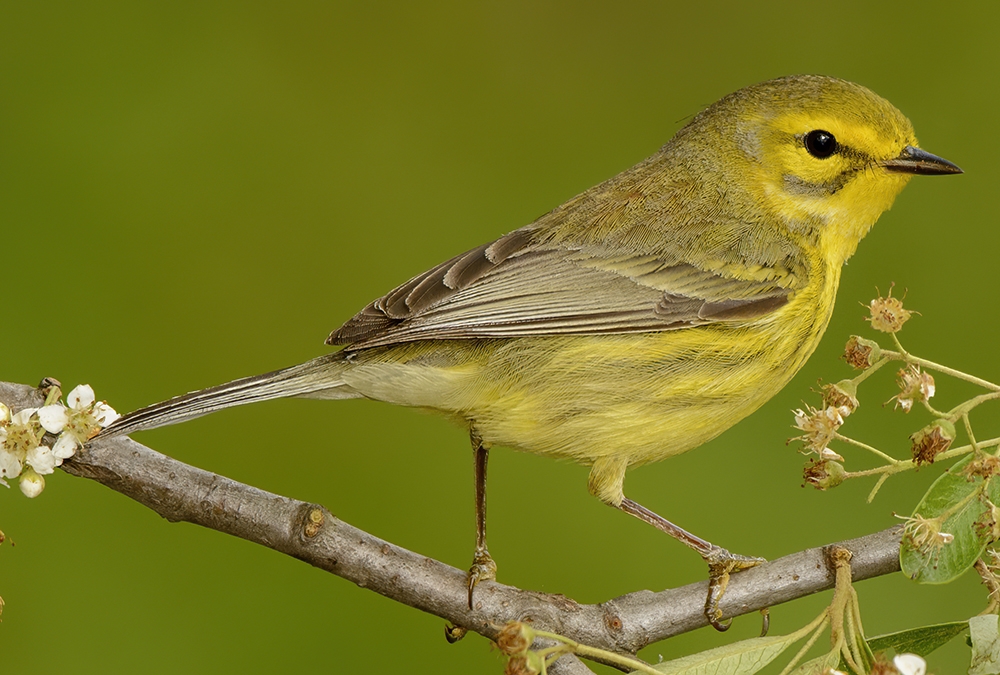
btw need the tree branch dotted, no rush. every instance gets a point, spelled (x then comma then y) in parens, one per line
(309, 532)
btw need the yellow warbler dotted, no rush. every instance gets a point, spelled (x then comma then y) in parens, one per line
(641, 318)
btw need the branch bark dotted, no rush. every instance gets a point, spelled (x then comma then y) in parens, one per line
(309, 532)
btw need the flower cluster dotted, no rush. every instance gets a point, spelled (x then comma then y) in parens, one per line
(23, 455)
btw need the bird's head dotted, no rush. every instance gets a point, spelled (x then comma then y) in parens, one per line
(824, 156)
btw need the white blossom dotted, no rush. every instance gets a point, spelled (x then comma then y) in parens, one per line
(53, 418)
(77, 423)
(41, 459)
(10, 465)
(65, 447)
(22, 417)
(21, 452)
(17, 437)
(909, 664)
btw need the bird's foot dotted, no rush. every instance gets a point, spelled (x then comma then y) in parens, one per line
(483, 569)
(722, 563)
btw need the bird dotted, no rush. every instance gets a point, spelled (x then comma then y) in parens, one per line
(641, 318)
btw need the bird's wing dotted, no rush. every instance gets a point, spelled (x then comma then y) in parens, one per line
(516, 287)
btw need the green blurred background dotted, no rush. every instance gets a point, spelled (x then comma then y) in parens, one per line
(192, 192)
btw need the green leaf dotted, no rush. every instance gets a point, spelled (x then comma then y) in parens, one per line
(862, 648)
(985, 645)
(941, 564)
(819, 665)
(740, 658)
(920, 641)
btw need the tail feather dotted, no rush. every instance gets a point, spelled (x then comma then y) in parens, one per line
(318, 378)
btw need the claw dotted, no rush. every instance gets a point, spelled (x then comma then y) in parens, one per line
(454, 633)
(722, 563)
(483, 569)
(765, 621)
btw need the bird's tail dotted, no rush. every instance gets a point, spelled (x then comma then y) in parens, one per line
(319, 378)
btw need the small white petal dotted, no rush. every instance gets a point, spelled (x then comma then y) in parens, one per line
(31, 484)
(909, 664)
(10, 466)
(22, 416)
(105, 414)
(81, 397)
(53, 418)
(65, 446)
(4, 413)
(833, 414)
(42, 460)
(946, 537)
(827, 453)
(4, 483)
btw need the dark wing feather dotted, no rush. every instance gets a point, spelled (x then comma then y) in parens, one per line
(515, 287)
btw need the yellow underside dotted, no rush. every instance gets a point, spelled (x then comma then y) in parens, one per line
(637, 398)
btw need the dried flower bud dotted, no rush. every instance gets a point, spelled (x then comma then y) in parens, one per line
(987, 526)
(887, 314)
(515, 638)
(823, 474)
(861, 353)
(931, 441)
(529, 663)
(914, 385)
(843, 395)
(982, 465)
(882, 667)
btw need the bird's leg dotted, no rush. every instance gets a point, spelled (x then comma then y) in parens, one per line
(721, 563)
(483, 567)
(606, 480)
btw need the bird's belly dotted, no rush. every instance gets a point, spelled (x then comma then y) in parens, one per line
(656, 396)
(645, 396)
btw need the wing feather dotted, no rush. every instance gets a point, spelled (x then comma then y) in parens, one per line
(515, 287)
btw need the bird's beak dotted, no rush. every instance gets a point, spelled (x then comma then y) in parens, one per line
(919, 162)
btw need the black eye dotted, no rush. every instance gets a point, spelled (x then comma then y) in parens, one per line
(821, 144)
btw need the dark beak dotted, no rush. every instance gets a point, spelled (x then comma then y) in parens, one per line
(919, 162)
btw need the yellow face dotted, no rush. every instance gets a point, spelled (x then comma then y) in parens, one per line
(829, 169)
(826, 167)
(820, 157)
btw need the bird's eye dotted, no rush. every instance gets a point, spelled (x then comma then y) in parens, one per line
(821, 144)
